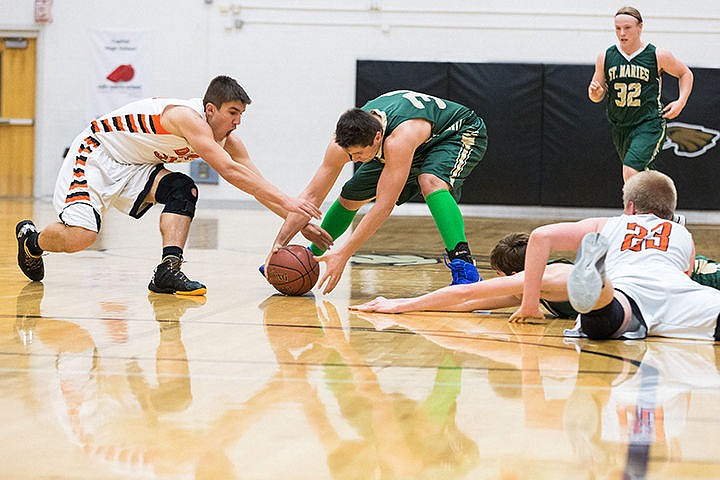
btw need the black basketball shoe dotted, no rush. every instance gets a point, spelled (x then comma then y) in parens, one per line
(31, 265)
(168, 278)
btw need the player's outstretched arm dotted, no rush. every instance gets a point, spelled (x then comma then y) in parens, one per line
(499, 292)
(189, 124)
(316, 191)
(399, 148)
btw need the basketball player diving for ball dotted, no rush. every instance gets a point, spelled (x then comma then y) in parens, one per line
(407, 143)
(118, 161)
(645, 257)
(631, 276)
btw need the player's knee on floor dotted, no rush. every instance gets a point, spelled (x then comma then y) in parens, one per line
(179, 194)
(603, 323)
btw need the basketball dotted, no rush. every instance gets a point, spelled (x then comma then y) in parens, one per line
(293, 270)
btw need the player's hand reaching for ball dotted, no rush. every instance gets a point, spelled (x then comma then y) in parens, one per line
(380, 305)
(319, 237)
(274, 249)
(302, 207)
(335, 264)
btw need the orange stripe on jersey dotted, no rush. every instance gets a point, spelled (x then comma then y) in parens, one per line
(143, 124)
(157, 126)
(131, 123)
(117, 121)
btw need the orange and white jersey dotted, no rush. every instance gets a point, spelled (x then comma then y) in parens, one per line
(642, 246)
(133, 134)
(646, 260)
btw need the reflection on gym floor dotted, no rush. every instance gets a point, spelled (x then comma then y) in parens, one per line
(102, 379)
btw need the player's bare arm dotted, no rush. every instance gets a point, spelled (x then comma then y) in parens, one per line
(667, 62)
(544, 240)
(597, 87)
(499, 292)
(316, 192)
(238, 152)
(185, 122)
(399, 148)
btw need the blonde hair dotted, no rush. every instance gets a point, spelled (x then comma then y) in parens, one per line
(632, 11)
(651, 192)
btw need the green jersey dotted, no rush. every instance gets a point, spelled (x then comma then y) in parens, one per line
(633, 85)
(446, 117)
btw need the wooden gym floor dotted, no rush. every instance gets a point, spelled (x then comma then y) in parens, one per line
(100, 379)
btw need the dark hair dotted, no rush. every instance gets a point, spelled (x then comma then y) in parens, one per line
(633, 12)
(356, 127)
(508, 256)
(223, 89)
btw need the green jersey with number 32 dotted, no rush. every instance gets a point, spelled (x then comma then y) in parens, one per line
(633, 85)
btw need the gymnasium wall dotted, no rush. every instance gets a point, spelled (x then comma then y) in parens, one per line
(297, 59)
(548, 144)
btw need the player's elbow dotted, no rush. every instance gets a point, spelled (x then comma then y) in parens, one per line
(540, 236)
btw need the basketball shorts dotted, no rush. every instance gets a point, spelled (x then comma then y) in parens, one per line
(90, 181)
(451, 158)
(639, 146)
(680, 308)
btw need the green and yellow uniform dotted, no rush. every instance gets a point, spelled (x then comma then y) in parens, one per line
(633, 105)
(457, 143)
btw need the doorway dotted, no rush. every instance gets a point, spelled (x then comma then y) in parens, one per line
(17, 112)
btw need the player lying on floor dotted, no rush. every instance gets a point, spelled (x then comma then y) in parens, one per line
(631, 276)
(508, 260)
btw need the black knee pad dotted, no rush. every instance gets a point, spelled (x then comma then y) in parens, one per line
(179, 194)
(603, 323)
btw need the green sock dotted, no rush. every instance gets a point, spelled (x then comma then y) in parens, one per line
(446, 213)
(335, 222)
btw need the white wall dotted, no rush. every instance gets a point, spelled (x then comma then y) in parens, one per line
(297, 59)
